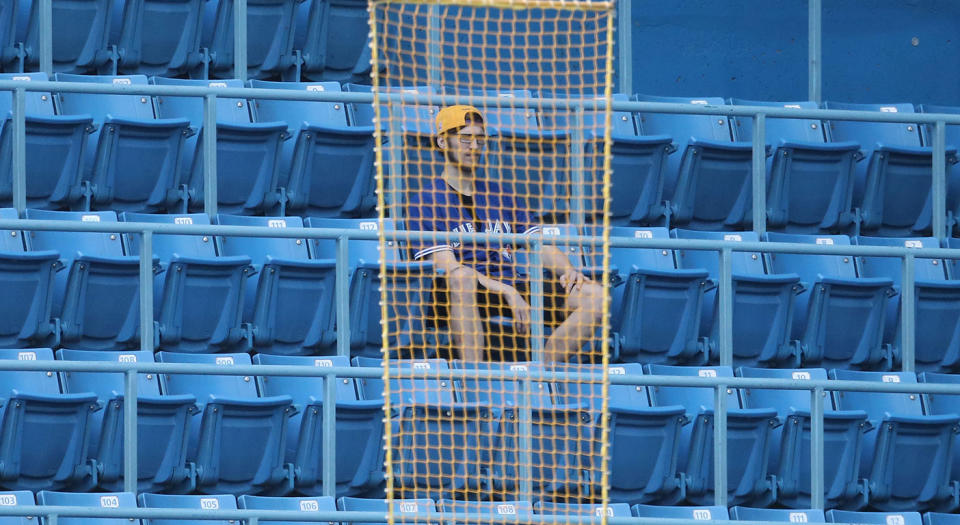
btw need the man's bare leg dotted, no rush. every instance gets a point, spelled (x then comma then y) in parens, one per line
(578, 327)
(465, 325)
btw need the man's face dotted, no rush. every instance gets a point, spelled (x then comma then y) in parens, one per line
(465, 147)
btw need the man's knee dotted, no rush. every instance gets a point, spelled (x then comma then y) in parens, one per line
(588, 298)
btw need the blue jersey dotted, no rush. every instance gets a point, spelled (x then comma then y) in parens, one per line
(438, 208)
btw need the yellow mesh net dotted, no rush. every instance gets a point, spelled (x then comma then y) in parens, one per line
(491, 145)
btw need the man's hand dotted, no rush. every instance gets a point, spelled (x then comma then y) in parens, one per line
(520, 309)
(572, 280)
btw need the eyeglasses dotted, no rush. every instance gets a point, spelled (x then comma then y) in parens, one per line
(469, 140)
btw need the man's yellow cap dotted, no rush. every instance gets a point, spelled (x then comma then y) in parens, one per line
(454, 117)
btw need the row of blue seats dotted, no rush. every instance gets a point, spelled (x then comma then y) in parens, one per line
(320, 39)
(140, 154)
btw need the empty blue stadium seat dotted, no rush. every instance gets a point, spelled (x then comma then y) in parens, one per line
(408, 285)
(519, 508)
(937, 314)
(129, 140)
(173, 501)
(506, 392)
(10, 54)
(656, 313)
(98, 298)
(402, 506)
(112, 500)
(79, 40)
(28, 279)
(952, 141)
(942, 404)
(940, 518)
(237, 438)
(248, 153)
(619, 510)
(55, 147)
(302, 504)
(809, 180)
(337, 45)
(839, 319)
(17, 498)
(201, 300)
(43, 434)
(776, 515)
(359, 427)
(161, 423)
(715, 513)
(748, 439)
(407, 391)
(878, 518)
(762, 303)
(902, 431)
(790, 448)
(708, 185)
(270, 31)
(171, 45)
(291, 305)
(329, 164)
(892, 190)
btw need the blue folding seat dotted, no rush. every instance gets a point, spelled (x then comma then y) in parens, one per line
(129, 140)
(79, 40)
(201, 299)
(291, 306)
(401, 506)
(43, 433)
(619, 510)
(270, 32)
(336, 46)
(748, 439)
(762, 303)
(437, 390)
(174, 501)
(878, 518)
(940, 518)
(776, 515)
(790, 451)
(809, 180)
(943, 404)
(519, 508)
(11, 55)
(161, 424)
(248, 153)
(330, 164)
(408, 285)
(656, 313)
(502, 393)
(714, 513)
(359, 427)
(110, 500)
(171, 45)
(17, 498)
(937, 317)
(839, 319)
(98, 298)
(27, 279)
(236, 438)
(902, 431)
(952, 141)
(302, 504)
(892, 190)
(709, 186)
(54, 144)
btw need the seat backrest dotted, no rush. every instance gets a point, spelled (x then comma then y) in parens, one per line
(793, 129)
(69, 243)
(589, 394)
(302, 504)
(296, 112)
(694, 399)
(111, 500)
(953, 265)
(749, 263)
(939, 403)
(105, 384)
(952, 130)
(204, 386)
(357, 250)
(234, 110)
(177, 501)
(891, 267)
(164, 246)
(650, 258)
(868, 134)
(502, 393)
(809, 267)
(407, 391)
(877, 404)
(621, 122)
(781, 400)
(681, 126)
(575, 253)
(17, 498)
(708, 513)
(402, 506)
(35, 102)
(870, 518)
(33, 382)
(414, 118)
(581, 509)
(100, 105)
(940, 518)
(10, 240)
(301, 389)
(776, 515)
(259, 248)
(497, 508)
(506, 118)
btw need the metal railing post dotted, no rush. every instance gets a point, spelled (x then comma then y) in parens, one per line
(759, 173)
(725, 294)
(240, 39)
(814, 50)
(210, 155)
(45, 35)
(939, 182)
(19, 151)
(816, 449)
(720, 445)
(329, 435)
(130, 469)
(525, 459)
(342, 296)
(908, 312)
(625, 45)
(146, 291)
(578, 149)
(536, 302)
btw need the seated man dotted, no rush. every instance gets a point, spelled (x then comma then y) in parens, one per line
(481, 279)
